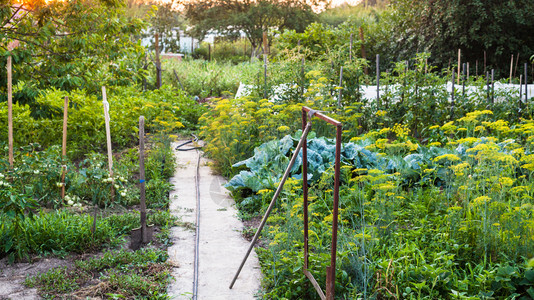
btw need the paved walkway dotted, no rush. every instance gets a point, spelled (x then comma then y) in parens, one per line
(221, 246)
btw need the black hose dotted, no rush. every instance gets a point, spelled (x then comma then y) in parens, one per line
(195, 138)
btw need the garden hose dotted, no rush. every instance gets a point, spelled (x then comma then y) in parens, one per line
(195, 139)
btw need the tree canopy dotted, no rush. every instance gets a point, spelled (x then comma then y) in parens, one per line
(249, 16)
(500, 28)
(69, 45)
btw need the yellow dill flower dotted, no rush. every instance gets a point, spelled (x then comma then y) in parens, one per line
(283, 128)
(468, 141)
(264, 191)
(506, 181)
(433, 127)
(384, 130)
(449, 128)
(381, 143)
(447, 157)
(480, 200)
(454, 208)
(435, 144)
(411, 146)
(381, 113)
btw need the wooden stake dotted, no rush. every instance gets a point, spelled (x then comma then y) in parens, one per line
(264, 76)
(492, 86)
(10, 111)
(265, 43)
(108, 139)
(378, 81)
(459, 63)
(467, 71)
(340, 86)
(64, 146)
(520, 94)
(142, 202)
(526, 83)
(511, 68)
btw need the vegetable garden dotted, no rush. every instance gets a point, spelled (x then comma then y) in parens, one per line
(436, 190)
(436, 196)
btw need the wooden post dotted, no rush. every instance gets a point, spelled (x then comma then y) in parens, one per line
(511, 68)
(10, 110)
(378, 81)
(142, 202)
(488, 86)
(516, 63)
(520, 95)
(364, 55)
(452, 95)
(209, 52)
(108, 139)
(459, 63)
(265, 44)
(526, 83)
(64, 146)
(463, 79)
(265, 76)
(340, 86)
(158, 64)
(492, 86)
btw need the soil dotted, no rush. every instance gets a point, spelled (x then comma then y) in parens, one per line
(12, 276)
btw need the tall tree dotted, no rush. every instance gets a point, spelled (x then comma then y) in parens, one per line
(500, 27)
(252, 17)
(68, 45)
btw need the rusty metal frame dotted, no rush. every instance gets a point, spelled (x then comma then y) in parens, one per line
(331, 270)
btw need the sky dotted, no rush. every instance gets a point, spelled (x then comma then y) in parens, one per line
(339, 2)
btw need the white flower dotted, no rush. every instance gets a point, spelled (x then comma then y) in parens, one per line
(123, 194)
(1, 176)
(35, 171)
(70, 202)
(59, 184)
(116, 186)
(122, 178)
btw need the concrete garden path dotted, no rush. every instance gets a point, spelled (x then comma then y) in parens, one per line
(221, 246)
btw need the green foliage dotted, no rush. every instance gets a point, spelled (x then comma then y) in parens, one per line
(442, 27)
(122, 274)
(234, 51)
(426, 211)
(252, 18)
(208, 79)
(166, 108)
(69, 46)
(165, 21)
